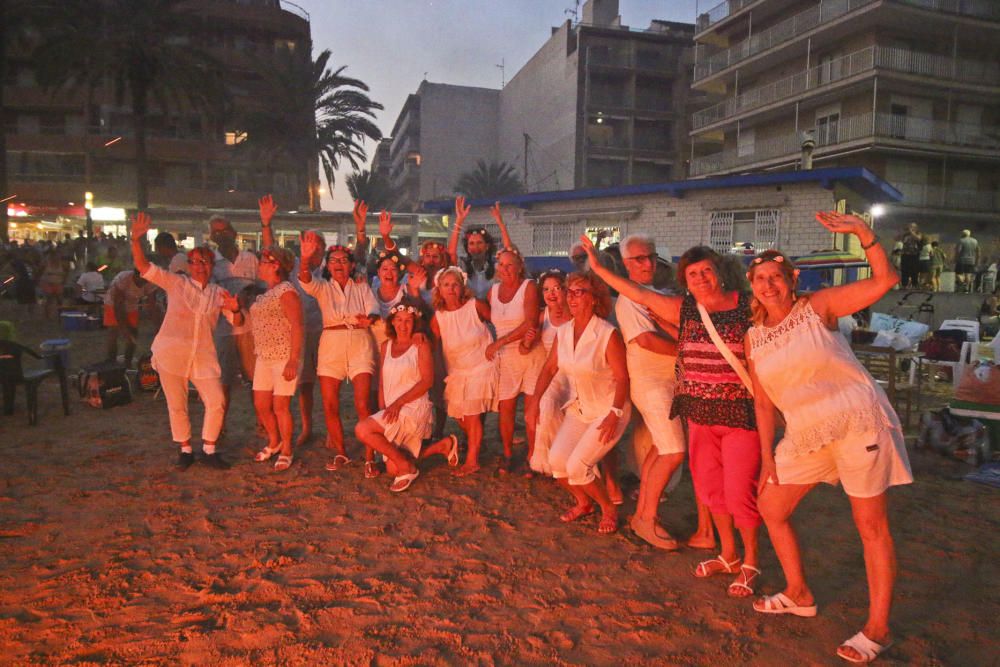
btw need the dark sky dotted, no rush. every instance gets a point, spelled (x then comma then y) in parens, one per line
(393, 44)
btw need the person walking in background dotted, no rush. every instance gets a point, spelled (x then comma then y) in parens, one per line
(121, 312)
(924, 263)
(909, 256)
(966, 261)
(937, 265)
(183, 350)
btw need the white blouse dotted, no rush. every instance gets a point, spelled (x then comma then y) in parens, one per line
(184, 344)
(591, 380)
(340, 305)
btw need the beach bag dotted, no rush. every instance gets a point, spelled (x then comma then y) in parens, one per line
(104, 385)
(962, 438)
(943, 345)
(149, 379)
(980, 384)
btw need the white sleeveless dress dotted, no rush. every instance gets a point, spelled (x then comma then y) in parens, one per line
(471, 380)
(550, 407)
(378, 329)
(518, 372)
(399, 374)
(827, 397)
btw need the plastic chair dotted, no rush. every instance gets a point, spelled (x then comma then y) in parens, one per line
(12, 373)
(970, 327)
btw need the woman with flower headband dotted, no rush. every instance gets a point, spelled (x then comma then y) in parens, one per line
(514, 310)
(389, 266)
(470, 385)
(840, 425)
(346, 348)
(550, 406)
(276, 318)
(713, 394)
(480, 248)
(590, 351)
(404, 418)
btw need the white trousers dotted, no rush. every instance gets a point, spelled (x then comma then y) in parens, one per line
(175, 389)
(577, 447)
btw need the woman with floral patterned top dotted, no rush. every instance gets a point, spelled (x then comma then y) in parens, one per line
(723, 446)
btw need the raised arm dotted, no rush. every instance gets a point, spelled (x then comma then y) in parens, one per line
(461, 212)
(267, 209)
(834, 302)
(666, 308)
(498, 216)
(360, 236)
(310, 246)
(141, 223)
(385, 230)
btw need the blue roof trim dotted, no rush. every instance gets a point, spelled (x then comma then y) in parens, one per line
(859, 179)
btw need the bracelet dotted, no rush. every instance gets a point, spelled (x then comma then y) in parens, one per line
(871, 245)
(617, 412)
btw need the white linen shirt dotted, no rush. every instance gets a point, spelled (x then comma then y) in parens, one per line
(341, 305)
(184, 344)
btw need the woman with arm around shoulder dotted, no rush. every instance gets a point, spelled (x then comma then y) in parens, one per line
(590, 351)
(276, 318)
(840, 425)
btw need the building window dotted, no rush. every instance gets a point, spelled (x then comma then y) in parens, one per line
(830, 68)
(828, 125)
(745, 142)
(235, 137)
(742, 231)
(553, 238)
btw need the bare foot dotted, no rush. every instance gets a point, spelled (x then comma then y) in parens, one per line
(701, 542)
(576, 512)
(303, 438)
(609, 523)
(466, 470)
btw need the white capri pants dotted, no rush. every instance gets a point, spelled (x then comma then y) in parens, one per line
(577, 447)
(175, 389)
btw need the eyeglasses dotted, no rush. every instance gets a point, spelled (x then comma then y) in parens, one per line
(199, 262)
(577, 292)
(338, 260)
(579, 259)
(269, 260)
(651, 257)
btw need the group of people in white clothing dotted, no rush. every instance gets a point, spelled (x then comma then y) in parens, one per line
(702, 376)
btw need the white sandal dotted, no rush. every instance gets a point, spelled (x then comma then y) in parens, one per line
(865, 647)
(283, 463)
(746, 584)
(717, 565)
(782, 604)
(265, 454)
(404, 480)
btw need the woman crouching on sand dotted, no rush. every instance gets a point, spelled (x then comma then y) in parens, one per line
(840, 425)
(276, 317)
(406, 415)
(591, 352)
(471, 382)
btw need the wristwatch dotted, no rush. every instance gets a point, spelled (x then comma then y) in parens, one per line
(617, 412)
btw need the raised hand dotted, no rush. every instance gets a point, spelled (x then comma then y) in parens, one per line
(588, 247)
(310, 245)
(385, 224)
(267, 209)
(842, 223)
(461, 210)
(141, 222)
(360, 214)
(495, 212)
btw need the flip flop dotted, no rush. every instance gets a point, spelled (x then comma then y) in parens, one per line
(717, 565)
(744, 588)
(608, 524)
(265, 454)
(402, 482)
(371, 470)
(453, 452)
(283, 463)
(865, 647)
(338, 462)
(576, 512)
(782, 604)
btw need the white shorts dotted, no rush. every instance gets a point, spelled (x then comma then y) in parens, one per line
(346, 353)
(310, 356)
(653, 397)
(268, 376)
(866, 467)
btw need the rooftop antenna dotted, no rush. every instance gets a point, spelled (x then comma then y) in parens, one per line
(425, 76)
(574, 12)
(503, 73)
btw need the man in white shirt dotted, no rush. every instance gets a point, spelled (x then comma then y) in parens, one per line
(90, 285)
(650, 354)
(121, 312)
(235, 270)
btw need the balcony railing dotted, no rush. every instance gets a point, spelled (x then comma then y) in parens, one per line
(788, 29)
(890, 58)
(983, 9)
(868, 125)
(719, 12)
(960, 199)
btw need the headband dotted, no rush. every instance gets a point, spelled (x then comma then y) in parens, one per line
(451, 269)
(340, 248)
(773, 258)
(481, 231)
(511, 249)
(403, 308)
(389, 254)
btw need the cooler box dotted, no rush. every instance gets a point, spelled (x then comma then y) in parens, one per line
(74, 320)
(53, 348)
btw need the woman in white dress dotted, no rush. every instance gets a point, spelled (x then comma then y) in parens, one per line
(390, 292)
(276, 319)
(183, 350)
(591, 352)
(840, 426)
(405, 413)
(470, 384)
(550, 418)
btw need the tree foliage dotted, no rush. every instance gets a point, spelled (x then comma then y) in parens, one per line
(489, 181)
(371, 187)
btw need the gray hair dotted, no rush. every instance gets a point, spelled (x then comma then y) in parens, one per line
(644, 239)
(222, 219)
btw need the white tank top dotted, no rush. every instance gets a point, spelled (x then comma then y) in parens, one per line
(548, 332)
(399, 374)
(464, 338)
(507, 316)
(592, 384)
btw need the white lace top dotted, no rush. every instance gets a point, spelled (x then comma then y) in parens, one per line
(812, 376)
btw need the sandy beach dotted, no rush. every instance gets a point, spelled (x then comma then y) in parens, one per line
(108, 555)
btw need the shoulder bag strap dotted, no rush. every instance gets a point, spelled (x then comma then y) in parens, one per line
(727, 354)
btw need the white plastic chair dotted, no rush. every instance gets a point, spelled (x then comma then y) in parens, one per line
(969, 347)
(970, 327)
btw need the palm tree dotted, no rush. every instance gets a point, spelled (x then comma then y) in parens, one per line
(372, 188)
(314, 113)
(488, 181)
(139, 50)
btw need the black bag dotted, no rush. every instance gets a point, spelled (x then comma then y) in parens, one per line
(104, 385)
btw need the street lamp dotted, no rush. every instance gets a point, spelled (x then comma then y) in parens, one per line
(88, 204)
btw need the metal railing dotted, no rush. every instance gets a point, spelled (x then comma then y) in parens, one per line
(720, 11)
(788, 29)
(894, 59)
(984, 9)
(294, 9)
(861, 126)
(936, 196)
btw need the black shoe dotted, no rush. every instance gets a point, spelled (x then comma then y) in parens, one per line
(215, 461)
(184, 460)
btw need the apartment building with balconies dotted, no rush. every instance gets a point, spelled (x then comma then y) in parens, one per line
(907, 88)
(60, 145)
